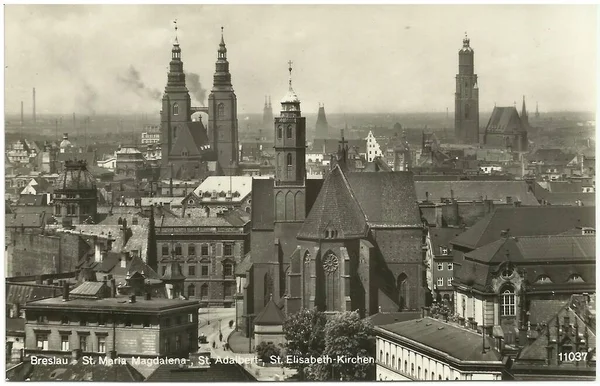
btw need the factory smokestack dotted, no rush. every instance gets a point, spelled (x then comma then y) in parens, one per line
(74, 122)
(22, 113)
(34, 105)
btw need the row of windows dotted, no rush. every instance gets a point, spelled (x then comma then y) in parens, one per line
(191, 250)
(440, 282)
(41, 343)
(228, 290)
(440, 266)
(127, 322)
(403, 368)
(228, 269)
(288, 131)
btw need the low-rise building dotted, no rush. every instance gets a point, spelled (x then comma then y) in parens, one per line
(96, 320)
(429, 349)
(219, 194)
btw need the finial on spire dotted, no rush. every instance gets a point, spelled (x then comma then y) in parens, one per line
(176, 40)
(222, 39)
(466, 41)
(290, 70)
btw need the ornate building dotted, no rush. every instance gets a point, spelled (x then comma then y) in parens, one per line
(352, 241)
(75, 194)
(466, 111)
(507, 130)
(222, 121)
(322, 127)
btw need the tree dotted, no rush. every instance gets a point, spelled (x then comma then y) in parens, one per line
(346, 336)
(304, 333)
(264, 351)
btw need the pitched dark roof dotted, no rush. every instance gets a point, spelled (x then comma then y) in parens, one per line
(244, 265)
(20, 294)
(32, 200)
(386, 198)
(587, 199)
(525, 221)
(335, 208)
(541, 311)
(271, 315)
(27, 220)
(457, 342)
(551, 156)
(15, 325)
(173, 272)
(441, 237)
(565, 186)
(216, 372)
(89, 289)
(504, 120)
(476, 190)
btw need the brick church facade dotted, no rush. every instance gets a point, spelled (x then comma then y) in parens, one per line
(352, 241)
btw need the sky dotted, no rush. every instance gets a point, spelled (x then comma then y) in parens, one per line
(352, 58)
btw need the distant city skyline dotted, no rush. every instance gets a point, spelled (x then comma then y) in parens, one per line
(352, 58)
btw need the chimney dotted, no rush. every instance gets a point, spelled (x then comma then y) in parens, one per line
(452, 194)
(22, 121)
(65, 291)
(34, 120)
(509, 200)
(427, 196)
(132, 298)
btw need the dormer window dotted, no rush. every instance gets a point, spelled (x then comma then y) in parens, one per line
(175, 109)
(543, 279)
(507, 272)
(444, 251)
(575, 278)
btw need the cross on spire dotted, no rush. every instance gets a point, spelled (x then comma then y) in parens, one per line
(343, 141)
(175, 22)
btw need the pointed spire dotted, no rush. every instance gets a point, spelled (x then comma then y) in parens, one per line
(290, 70)
(523, 109)
(222, 49)
(176, 28)
(466, 41)
(266, 105)
(269, 101)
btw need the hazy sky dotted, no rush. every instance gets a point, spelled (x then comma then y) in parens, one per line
(353, 58)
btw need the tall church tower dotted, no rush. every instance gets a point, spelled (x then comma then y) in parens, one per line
(222, 121)
(176, 104)
(267, 113)
(466, 111)
(290, 153)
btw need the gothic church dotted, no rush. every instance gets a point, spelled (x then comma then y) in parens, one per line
(352, 241)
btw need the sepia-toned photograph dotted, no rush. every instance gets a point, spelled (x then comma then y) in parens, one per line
(350, 192)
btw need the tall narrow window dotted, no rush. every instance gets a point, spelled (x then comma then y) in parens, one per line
(279, 132)
(175, 109)
(102, 344)
(191, 290)
(175, 132)
(467, 112)
(221, 109)
(508, 303)
(289, 159)
(83, 343)
(288, 132)
(204, 292)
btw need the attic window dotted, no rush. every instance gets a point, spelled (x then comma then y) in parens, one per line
(575, 278)
(444, 251)
(543, 279)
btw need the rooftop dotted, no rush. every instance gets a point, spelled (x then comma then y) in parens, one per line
(456, 342)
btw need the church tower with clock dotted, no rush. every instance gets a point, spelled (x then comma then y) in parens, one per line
(290, 167)
(222, 121)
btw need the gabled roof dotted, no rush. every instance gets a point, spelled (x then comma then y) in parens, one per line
(335, 208)
(386, 198)
(192, 137)
(525, 221)
(504, 120)
(440, 237)
(89, 289)
(271, 315)
(476, 190)
(551, 156)
(240, 187)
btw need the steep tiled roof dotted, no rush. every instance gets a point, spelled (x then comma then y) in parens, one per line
(541, 311)
(525, 221)
(242, 185)
(383, 318)
(271, 315)
(587, 199)
(386, 198)
(27, 220)
(244, 265)
(335, 208)
(75, 176)
(565, 187)
(551, 156)
(476, 190)
(457, 342)
(89, 289)
(440, 237)
(504, 120)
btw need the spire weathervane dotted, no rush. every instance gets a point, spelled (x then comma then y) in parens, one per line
(290, 69)
(175, 22)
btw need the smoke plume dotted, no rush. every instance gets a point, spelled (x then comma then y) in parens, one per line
(89, 98)
(192, 81)
(132, 81)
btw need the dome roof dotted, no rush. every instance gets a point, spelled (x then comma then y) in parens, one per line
(75, 176)
(65, 143)
(290, 97)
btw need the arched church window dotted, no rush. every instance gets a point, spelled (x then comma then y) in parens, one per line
(279, 132)
(204, 291)
(289, 159)
(330, 265)
(175, 132)
(402, 287)
(191, 290)
(289, 131)
(175, 109)
(221, 110)
(507, 307)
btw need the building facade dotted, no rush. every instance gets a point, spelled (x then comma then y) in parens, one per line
(75, 194)
(466, 110)
(208, 249)
(373, 147)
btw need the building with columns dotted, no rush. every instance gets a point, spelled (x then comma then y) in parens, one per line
(466, 110)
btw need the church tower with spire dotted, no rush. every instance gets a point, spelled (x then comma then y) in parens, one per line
(290, 153)
(267, 113)
(176, 104)
(466, 111)
(222, 121)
